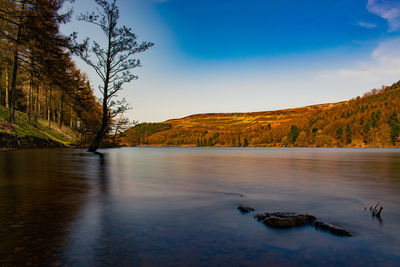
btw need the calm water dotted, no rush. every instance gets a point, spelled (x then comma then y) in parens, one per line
(177, 206)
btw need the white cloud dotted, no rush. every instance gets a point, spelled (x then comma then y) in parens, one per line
(367, 25)
(383, 67)
(387, 9)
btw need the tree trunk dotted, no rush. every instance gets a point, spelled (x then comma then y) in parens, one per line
(115, 133)
(15, 70)
(46, 105)
(102, 132)
(37, 103)
(60, 112)
(7, 99)
(13, 85)
(39, 107)
(70, 117)
(49, 108)
(29, 102)
(1, 89)
(104, 123)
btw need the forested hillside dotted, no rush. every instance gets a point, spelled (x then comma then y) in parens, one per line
(371, 120)
(37, 74)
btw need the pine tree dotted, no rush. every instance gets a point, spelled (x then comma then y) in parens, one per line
(339, 134)
(246, 142)
(394, 123)
(293, 134)
(210, 141)
(349, 134)
(374, 120)
(366, 129)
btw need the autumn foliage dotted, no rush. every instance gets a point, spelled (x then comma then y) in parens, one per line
(368, 121)
(37, 73)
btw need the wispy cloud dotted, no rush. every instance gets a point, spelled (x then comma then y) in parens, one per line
(382, 67)
(387, 9)
(367, 25)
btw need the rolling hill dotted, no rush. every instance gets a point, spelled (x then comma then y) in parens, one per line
(368, 121)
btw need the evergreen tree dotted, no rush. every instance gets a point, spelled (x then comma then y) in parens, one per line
(366, 129)
(293, 134)
(339, 134)
(374, 120)
(378, 114)
(349, 134)
(246, 142)
(394, 123)
(210, 141)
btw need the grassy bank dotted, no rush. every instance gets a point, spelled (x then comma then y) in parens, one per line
(38, 134)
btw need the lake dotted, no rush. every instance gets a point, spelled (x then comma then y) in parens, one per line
(178, 206)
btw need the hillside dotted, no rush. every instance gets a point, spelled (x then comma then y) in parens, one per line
(368, 121)
(25, 135)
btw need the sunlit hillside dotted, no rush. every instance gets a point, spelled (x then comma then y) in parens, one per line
(371, 120)
(32, 133)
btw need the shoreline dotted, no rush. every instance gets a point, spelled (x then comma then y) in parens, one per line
(183, 146)
(10, 143)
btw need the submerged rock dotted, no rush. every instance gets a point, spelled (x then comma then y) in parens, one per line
(244, 209)
(285, 219)
(331, 228)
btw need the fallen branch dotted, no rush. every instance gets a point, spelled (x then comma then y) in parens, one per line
(377, 210)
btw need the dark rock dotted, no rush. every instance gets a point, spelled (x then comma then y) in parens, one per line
(244, 209)
(285, 219)
(331, 228)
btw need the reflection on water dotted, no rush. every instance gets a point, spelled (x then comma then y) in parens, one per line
(177, 206)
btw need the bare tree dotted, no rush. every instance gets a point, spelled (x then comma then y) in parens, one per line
(120, 125)
(112, 63)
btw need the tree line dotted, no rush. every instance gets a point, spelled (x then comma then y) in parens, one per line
(37, 73)
(39, 77)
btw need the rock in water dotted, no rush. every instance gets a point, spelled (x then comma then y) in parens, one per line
(283, 220)
(331, 228)
(244, 209)
(286, 220)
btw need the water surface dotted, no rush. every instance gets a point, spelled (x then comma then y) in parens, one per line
(177, 206)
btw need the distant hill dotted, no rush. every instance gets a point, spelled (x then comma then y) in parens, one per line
(368, 121)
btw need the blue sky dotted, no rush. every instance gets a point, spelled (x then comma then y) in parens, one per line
(253, 55)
